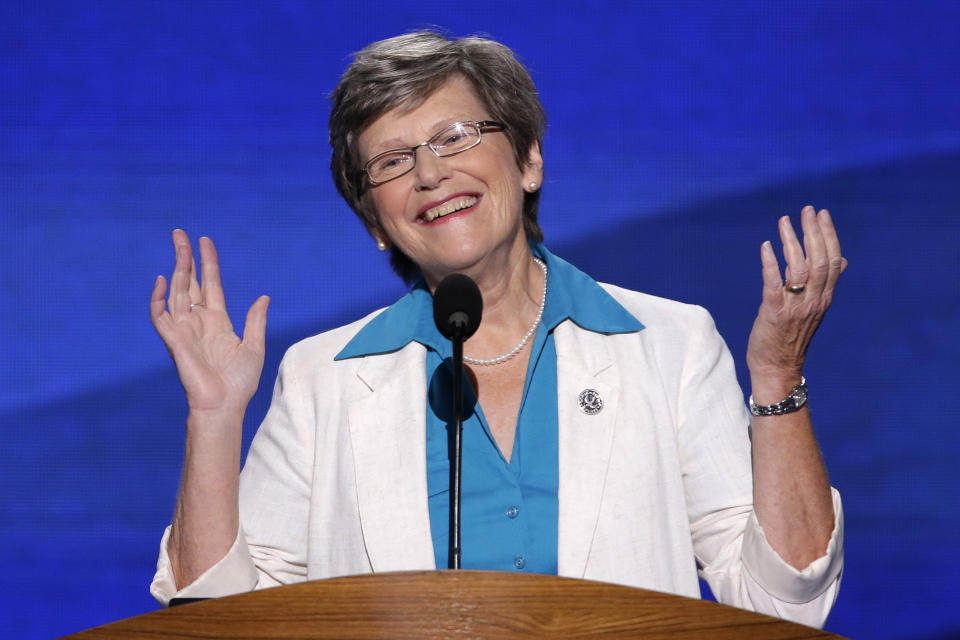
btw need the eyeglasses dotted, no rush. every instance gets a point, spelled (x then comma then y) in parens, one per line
(454, 139)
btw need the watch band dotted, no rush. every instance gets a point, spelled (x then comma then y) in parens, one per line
(793, 402)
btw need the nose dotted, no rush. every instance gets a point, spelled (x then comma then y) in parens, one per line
(430, 169)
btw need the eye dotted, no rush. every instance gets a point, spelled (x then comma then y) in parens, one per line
(392, 161)
(453, 138)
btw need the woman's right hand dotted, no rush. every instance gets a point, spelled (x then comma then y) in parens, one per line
(219, 371)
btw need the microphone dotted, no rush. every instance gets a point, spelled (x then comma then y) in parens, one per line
(457, 307)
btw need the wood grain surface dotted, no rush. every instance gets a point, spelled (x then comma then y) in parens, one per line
(452, 604)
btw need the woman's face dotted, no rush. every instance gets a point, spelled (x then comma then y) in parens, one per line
(479, 192)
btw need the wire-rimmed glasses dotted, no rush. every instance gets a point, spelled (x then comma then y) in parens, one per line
(452, 140)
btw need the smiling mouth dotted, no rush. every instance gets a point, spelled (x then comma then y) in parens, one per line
(450, 206)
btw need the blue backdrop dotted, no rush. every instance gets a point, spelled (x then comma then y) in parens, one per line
(678, 133)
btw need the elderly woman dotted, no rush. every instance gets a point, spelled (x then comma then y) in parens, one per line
(607, 437)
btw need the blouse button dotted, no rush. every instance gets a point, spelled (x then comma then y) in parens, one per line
(512, 512)
(519, 562)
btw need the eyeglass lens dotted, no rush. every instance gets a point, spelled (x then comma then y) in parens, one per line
(451, 140)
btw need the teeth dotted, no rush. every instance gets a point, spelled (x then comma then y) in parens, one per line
(449, 207)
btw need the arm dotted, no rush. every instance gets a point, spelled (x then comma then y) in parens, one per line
(734, 553)
(220, 373)
(791, 493)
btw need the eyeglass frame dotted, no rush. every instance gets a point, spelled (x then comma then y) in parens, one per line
(479, 124)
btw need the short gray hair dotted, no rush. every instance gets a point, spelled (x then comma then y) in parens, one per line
(406, 70)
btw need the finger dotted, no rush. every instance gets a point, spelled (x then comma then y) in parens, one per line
(179, 299)
(196, 295)
(796, 271)
(835, 258)
(212, 289)
(157, 303)
(770, 270)
(816, 249)
(255, 327)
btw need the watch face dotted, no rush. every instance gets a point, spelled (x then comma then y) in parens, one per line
(799, 396)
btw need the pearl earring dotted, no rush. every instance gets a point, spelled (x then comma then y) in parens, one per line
(381, 245)
(533, 185)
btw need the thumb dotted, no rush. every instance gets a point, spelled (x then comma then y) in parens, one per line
(255, 326)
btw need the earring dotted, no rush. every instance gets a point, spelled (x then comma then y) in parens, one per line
(381, 245)
(533, 185)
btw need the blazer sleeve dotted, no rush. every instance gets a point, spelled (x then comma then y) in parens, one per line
(271, 546)
(732, 552)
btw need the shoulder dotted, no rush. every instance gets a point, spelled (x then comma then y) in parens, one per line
(676, 335)
(661, 315)
(321, 349)
(680, 338)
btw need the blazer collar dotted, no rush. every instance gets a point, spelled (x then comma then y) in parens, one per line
(388, 437)
(585, 361)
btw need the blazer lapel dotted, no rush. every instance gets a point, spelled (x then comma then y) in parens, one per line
(387, 431)
(584, 361)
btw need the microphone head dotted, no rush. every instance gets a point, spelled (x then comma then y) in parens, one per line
(457, 306)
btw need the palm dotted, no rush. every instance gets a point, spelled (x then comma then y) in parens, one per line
(219, 370)
(787, 321)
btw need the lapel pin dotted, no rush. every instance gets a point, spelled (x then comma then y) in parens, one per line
(590, 401)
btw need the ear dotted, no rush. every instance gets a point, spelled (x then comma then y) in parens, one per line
(373, 226)
(532, 172)
(383, 242)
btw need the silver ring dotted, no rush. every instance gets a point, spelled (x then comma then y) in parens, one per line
(196, 304)
(796, 288)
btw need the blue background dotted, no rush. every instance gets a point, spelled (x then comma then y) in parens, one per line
(678, 133)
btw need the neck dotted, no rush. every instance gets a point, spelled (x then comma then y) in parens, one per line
(512, 287)
(511, 301)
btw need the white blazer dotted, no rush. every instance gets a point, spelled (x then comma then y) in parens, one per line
(655, 484)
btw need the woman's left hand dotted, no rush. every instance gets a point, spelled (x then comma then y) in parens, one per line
(792, 310)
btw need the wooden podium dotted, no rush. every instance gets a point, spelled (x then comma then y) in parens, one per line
(452, 604)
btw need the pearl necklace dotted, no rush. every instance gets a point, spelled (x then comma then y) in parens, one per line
(526, 336)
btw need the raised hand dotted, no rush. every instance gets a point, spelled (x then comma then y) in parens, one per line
(219, 370)
(793, 307)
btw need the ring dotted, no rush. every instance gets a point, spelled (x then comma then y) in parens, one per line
(792, 288)
(196, 304)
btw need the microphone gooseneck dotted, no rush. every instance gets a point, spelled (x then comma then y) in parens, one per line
(457, 308)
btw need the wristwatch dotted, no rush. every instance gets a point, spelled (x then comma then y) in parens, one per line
(796, 399)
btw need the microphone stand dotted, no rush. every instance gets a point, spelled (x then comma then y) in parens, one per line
(454, 438)
(457, 310)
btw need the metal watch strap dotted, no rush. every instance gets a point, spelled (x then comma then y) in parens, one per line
(793, 402)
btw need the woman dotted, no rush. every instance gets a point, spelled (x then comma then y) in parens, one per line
(609, 439)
